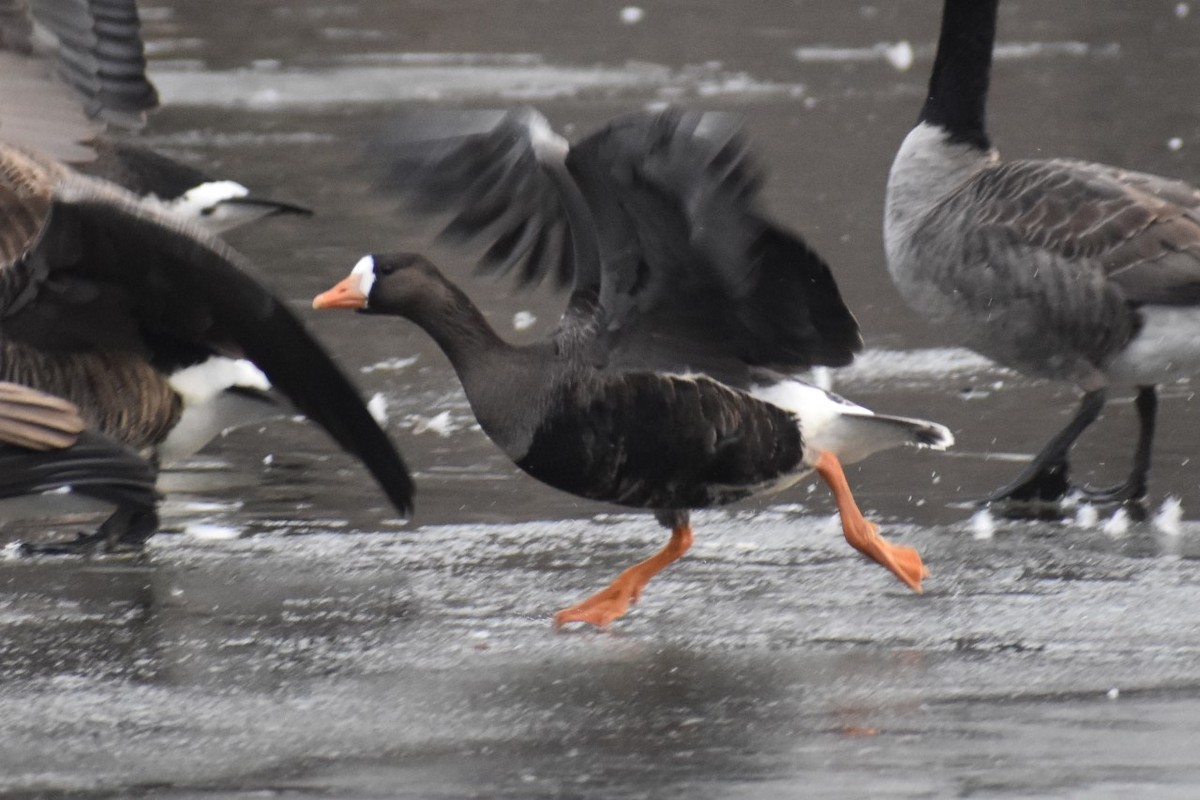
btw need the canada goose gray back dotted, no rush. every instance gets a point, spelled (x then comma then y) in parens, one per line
(1061, 269)
(141, 320)
(664, 386)
(71, 73)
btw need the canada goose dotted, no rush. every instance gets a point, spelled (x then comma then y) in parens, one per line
(69, 71)
(663, 386)
(1060, 269)
(145, 322)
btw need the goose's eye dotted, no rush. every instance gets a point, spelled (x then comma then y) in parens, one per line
(386, 269)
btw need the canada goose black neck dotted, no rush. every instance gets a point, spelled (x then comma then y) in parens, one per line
(959, 85)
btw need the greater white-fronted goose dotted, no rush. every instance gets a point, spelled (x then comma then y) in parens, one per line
(72, 70)
(665, 385)
(149, 325)
(1060, 269)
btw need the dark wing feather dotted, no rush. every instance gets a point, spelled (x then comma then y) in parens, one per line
(151, 281)
(44, 447)
(68, 68)
(98, 53)
(480, 168)
(141, 170)
(95, 465)
(690, 274)
(689, 264)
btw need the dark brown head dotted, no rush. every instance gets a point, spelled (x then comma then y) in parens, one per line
(389, 283)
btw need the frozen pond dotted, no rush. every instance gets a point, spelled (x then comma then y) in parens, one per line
(287, 636)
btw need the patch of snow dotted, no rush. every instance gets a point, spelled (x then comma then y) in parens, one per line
(443, 424)
(1118, 524)
(1086, 516)
(378, 407)
(390, 365)
(208, 531)
(899, 55)
(1169, 517)
(983, 525)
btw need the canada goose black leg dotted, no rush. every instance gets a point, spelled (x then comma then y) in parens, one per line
(613, 601)
(1046, 477)
(1134, 487)
(863, 535)
(125, 531)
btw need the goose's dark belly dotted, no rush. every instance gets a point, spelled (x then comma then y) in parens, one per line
(662, 442)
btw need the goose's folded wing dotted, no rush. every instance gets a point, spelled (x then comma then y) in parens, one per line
(1096, 225)
(103, 270)
(481, 170)
(68, 68)
(1061, 253)
(689, 262)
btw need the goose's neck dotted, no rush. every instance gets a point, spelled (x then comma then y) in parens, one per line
(460, 330)
(959, 85)
(949, 144)
(508, 386)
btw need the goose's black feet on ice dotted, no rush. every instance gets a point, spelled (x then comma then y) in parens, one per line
(1047, 484)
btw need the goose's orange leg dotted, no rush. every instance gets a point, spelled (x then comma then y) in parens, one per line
(613, 601)
(863, 535)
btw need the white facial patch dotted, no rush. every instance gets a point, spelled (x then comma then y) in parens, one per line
(365, 270)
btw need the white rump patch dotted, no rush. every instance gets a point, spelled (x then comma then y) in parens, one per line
(204, 381)
(209, 410)
(207, 206)
(849, 431)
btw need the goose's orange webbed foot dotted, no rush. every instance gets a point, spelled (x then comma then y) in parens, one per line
(863, 535)
(613, 601)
